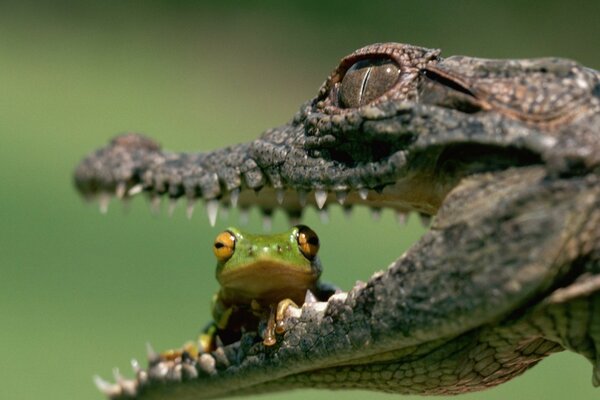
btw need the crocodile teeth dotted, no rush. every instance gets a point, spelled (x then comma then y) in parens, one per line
(376, 214)
(234, 196)
(189, 211)
(109, 389)
(596, 375)
(341, 197)
(104, 201)
(267, 222)
(190, 371)
(302, 198)
(363, 193)
(309, 297)
(425, 219)
(155, 203)
(324, 216)
(151, 354)
(212, 209)
(220, 357)
(121, 190)
(244, 216)
(207, 363)
(279, 195)
(320, 198)
(135, 365)
(172, 206)
(117, 375)
(136, 189)
(219, 342)
(401, 217)
(128, 386)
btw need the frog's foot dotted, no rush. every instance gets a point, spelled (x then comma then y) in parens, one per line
(190, 349)
(282, 310)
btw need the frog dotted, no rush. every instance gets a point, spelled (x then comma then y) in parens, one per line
(261, 276)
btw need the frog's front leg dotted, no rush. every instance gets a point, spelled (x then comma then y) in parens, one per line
(277, 313)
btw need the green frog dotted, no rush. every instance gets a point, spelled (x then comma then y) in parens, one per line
(260, 277)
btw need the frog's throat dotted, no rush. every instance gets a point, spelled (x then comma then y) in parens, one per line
(267, 281)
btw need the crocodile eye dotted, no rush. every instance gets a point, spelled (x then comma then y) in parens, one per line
(308, 241)
(366, 80)
(224, 246)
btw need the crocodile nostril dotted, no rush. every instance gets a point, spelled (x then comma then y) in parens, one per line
(367, 80)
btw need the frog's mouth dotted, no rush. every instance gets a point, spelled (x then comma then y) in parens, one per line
(267, 282)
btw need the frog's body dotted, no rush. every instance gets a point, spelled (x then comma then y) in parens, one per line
(260, 276)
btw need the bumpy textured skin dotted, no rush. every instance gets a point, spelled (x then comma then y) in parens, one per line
(504, 153)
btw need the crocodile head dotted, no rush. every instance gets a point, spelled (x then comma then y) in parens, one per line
(504, 152)
(394, 126)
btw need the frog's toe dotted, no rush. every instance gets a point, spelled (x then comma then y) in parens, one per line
(283, 307)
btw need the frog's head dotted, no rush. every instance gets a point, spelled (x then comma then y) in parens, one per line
(254, 264)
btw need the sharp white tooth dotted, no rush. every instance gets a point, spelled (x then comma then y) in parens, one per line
(320, 198)
(219, 342)
(376, 213)
(207, 363)
(302, 198)
(159, 371)
(109, 389)
(267, 222)
(136, 189)
(150, 353)
(425, 219)
(121, 190)
(234, 196)
(175, 373)
(279, 195)
(189, 211)
(135, 365)
(190, 371)
(117, 375)
(172, 206)
(309, 297)
(324, 216)
(212, 208)
(104, 201)
(401, 217)
(155, 204)
(341, 197)
(244, 216)
(363, 193)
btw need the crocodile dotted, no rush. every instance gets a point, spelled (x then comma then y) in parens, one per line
(502, 155)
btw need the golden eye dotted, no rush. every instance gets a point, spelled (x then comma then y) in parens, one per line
(224, 246)
(308, 241)
(367, 80)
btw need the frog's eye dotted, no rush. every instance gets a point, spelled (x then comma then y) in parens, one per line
(224, 246)
(308, 241)
(366, 80)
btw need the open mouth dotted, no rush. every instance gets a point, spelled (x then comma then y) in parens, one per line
(389, 129)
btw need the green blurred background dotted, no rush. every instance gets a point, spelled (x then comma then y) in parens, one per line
(81, 292)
